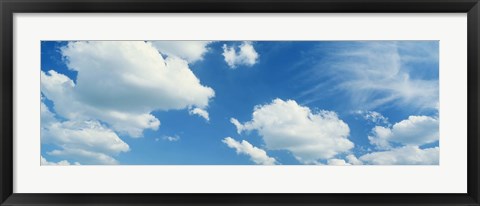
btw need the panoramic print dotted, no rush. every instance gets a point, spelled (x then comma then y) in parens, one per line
(317, 103)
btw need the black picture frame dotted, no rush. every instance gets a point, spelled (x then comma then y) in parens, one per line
(9, 7)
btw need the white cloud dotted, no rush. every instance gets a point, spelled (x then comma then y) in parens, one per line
(256, 154)
(237, 124)
(349, 160)
(85, 156)
(407, 155)
(200, 112)
(411, 133)
(352, 159)
(191, 51)
(337, 162)
(121, 83)
(86, 135)
(380, 137)
(172, 138)
(376, 74)
(285, 125)
(44, 161)
(245, 56)
(46, 116)
(374, 117)
(416, 130)
(80, 139)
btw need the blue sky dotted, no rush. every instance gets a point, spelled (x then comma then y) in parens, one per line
(240, 103)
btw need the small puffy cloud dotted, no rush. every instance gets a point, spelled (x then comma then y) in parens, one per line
(246, 55)
(200, 112)
(44, 161)
(121, 83)
(171, 138)
(416, 130)
(337, 162)
(285, 125)
(374, 117)
(190, 51)
(88, 142)
(406, 155)
(256, 154)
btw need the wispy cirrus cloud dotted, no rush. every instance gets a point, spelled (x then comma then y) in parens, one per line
(378, 74)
